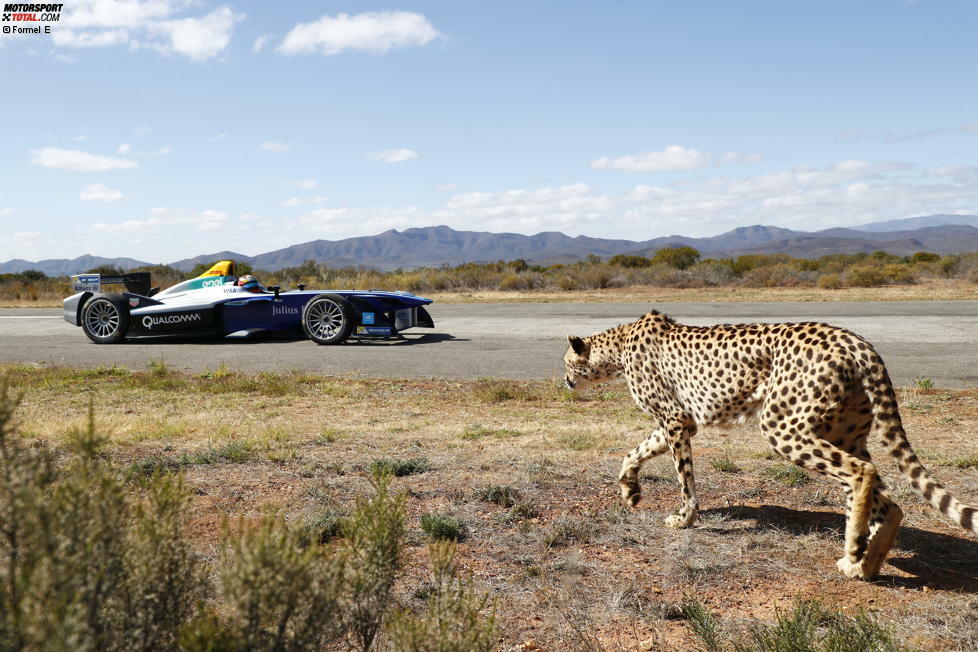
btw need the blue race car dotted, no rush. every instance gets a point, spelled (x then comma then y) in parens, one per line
(215, 303)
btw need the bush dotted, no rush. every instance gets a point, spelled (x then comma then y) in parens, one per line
(830, 282)
(400, 467)
(623, 260)
(453, 620)
(83, 564)
(443, 526)
(900, 274)
(779, 275)
(678, 257)
(865, 276)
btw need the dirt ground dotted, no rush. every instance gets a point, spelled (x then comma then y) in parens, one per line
(568, 565)
(927, 290)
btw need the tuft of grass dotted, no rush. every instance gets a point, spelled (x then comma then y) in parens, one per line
(502, 495)
(923, 382)
(492, 390)
(443, 526)
(158, 367)
(789, 476)
(580, 441)
(479, 431)
(330, 436)
(812, 626)
(703, 623)
(965, 462)
(400, 467)
(567, 529)
(233, 452)
(725, 465)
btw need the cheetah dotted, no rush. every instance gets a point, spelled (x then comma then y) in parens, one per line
(817, 392)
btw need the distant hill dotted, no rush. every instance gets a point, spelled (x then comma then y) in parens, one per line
(918, 222)
(442, 245)
(65, 267)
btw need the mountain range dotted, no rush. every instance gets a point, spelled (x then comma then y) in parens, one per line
(438, 245)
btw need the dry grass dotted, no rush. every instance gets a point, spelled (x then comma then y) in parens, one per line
(925, 290)
(532, 488)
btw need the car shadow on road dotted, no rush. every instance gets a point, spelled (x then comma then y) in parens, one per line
(937, 560)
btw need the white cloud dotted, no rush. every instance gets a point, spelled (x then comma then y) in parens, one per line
(273, 146)
(162, 151)
(6, 211)
(73, 159)
(849, 136)
(970, 127)
(260, 43)
(673, 157)
(151, 24)
(206, 220)
(198, 38)
(394, 155)
(80, 138)
(217, 137)
(125, 149)
(307, 184)
(374, 32)
(446, 187)
(890, 137)
(100, 192)
(302, 201)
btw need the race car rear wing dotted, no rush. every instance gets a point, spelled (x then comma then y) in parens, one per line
(135, 282)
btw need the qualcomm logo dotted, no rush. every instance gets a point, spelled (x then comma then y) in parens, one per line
(150, 321)
(285, 310)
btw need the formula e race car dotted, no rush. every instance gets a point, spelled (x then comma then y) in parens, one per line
(214, 303)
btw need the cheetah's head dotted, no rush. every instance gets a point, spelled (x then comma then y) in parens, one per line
(587, 364)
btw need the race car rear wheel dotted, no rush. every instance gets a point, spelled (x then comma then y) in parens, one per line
(328, 319)
(105, 318)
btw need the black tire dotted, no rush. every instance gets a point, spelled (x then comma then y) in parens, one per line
(328, 319)
(105, 318)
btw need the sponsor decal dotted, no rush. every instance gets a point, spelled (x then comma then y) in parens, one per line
(149, 321)
(373, 330)
(133, 302)
(215, 282)
(367, 318)
(87, 282)
(27, 15)
(285, 310)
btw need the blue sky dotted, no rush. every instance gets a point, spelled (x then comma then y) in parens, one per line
(161, 129)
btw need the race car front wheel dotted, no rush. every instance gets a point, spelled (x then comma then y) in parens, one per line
(328, 319)
(105, 318)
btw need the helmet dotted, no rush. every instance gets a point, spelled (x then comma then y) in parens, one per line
(249, 282)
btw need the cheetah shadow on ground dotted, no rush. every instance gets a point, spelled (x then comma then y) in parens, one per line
(938, 560)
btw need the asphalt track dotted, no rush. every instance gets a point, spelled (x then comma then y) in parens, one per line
(517, 340)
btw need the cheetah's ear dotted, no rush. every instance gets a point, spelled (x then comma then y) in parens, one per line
(579, 345)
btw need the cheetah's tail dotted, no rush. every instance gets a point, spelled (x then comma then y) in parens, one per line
(887, 423)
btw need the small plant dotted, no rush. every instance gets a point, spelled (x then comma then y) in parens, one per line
(443, 526)
(478, 431)
(725, 465)
(492, 390)
(703, 623)
(580, 441)
(789, 476)
(923, 382)
(965, 462)
(566, 529)
(502, 495)
(400, 467)
(330, 436)
(158, 368)
(454, 618)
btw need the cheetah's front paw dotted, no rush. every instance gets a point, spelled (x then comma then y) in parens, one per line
(678, 521)
(631, 493)
(851, 570)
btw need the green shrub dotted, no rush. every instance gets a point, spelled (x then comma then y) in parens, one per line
(83, 563)
(502, 495)
(374, 541)
(565, 529)
(899, 274)
(453, 620)
(865, 276)
(789, 476)
(479, 431)
(443, 526)
(703, 623)
(400, 467)
(678, 257)
(830, 282)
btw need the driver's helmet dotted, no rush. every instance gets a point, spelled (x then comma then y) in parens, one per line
(249, 283)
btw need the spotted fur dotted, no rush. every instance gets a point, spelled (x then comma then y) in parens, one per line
(816, 390)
